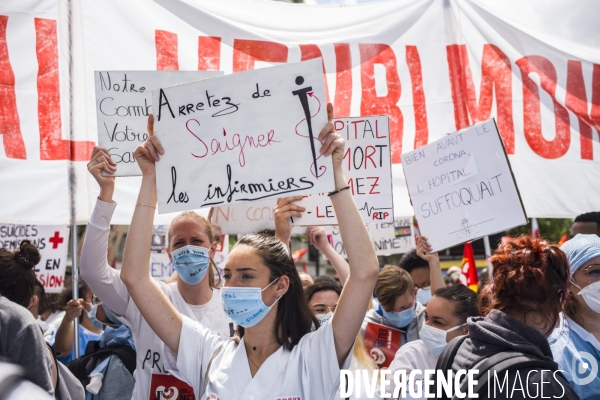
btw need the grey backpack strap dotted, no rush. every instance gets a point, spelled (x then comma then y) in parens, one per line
(205, 383)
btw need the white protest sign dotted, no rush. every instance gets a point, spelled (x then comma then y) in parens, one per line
(53, 243)
(242, 137)
(367, 166)
(123, 102)
(462, 187)
(160, 265)
(396, 237)
(246, 217)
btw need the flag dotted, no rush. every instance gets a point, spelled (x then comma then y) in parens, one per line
(563, 239)
(468, 272)
(535, 229)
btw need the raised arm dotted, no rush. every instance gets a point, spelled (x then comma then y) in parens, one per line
(162, 317)
(318, 238)
(364, 267)
(101, 278)
(64, 336)
(436, 278)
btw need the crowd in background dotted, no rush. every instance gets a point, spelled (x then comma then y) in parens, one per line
(541, 301)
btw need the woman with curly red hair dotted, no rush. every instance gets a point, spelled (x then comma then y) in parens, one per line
(520, 307)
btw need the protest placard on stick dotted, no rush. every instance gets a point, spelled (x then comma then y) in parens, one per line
(367, 166)
(462, 187)
(123, 102)
(242, 137)
(52, 242)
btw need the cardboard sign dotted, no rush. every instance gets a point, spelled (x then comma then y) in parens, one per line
(382, 342)
(168, 387)
(160, 265)
(367, 166)
(462, 187)
(388, 238)
(123, 102)
(53, 243)
(245, 217)
(242, 137)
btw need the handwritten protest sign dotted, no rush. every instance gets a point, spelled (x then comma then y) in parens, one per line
(245, 217)
(388, 238)
(53, 243)
(242, 137)
(123, 102)
(367, 167)
(221, 253)
(462, 187)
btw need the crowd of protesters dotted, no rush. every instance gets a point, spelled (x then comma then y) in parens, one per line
(263, 330)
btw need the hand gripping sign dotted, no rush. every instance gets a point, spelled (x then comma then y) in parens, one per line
(242, 137)
(462, 187)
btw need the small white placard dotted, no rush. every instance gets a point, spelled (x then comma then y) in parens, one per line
(462, 187)
(242, 137)
(396, 237)
(53, 243)
(123, 102)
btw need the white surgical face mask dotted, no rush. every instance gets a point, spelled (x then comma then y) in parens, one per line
(324, 317)
(590, 294)
(435, 338)
(424, 295)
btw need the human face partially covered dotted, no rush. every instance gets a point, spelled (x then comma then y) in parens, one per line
(189, 231)
(440, 314)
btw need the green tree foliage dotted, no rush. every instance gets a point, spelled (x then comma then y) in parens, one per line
(550, 228)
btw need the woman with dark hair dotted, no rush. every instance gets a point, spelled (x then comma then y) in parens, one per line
(576, 342)
(520, 307)
(21, 340)
(276, 353)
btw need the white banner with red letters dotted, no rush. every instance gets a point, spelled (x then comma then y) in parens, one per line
(432, 66)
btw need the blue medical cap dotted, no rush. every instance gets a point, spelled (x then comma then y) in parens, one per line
(581, 249)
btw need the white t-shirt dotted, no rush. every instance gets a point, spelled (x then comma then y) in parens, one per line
(106, 283)
(309, 372)
(411, 356)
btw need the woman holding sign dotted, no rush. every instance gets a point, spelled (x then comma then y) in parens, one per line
(276, 354)
(194, 296)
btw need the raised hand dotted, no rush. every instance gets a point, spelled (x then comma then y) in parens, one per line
(318, 238)
(283, 211)
(102, 161)
(148, 153)
(333, 144)
(424, 250)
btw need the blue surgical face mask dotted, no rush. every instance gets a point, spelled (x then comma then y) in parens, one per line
(399, 319)
(424, 295)
(244, 305)
(191, 263)
(92, 315)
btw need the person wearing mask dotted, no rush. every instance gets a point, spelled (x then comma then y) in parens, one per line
(194, 293)
(587, 224)
(576, 342)
(520, 307)
(418, 268)
(21, 339)
(277, 353)
(62, 340)
(445, 318)
(322, 299)
(396, 293)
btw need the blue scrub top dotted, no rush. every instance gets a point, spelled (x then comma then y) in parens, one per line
(85, 336)
(577, 353)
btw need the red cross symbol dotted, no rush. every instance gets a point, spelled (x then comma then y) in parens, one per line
(56, 240)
